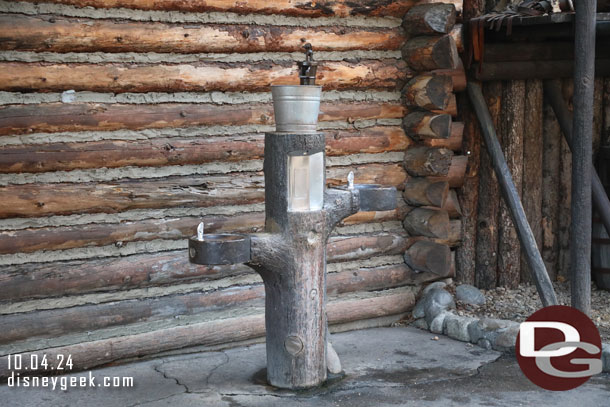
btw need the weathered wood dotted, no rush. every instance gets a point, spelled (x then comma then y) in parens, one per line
(95, 353)
(58, 34)
(452, 205)
(422, 125)
(428, 256)
(552, 140)
(598, 107)
(454, 142)
(489, 201)
(61, 117)
(606, 113)
(339, 8)
(421, 161)
(565, 215)
(458, 76)
(534, 51)
(457, 171)
(423, 192)
(58, 322)
(582, 155)
(180, 191)
(427, 222)
(430, 92)
(533, 145)
(433, 18)
(495, 71)
(457, 32)
(43, 280)
(541, 278)
(512, 122)
(428, 53)
(200, 77)
(178, 151)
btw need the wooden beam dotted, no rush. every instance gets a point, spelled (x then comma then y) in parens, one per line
(46, 33)
(424, 161)
(199, 77)
(178, 151)
(52, 279)
(63, 117)
(494, 71)
(423, 192)
(96, 353)
(426, 222)
(433, 18)
(304, 8)
(457, 172)
(32, 200)
(428, 256)
(433, 52)
(541, 278)
(430, 92)
(422, 125)
(454, 142)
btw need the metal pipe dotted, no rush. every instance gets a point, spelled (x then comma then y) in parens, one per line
(582, 152)
(511, 197)
(552, 92)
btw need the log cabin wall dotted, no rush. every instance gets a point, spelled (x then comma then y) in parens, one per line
(122, 124)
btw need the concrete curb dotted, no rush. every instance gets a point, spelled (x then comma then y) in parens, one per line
(488, 333)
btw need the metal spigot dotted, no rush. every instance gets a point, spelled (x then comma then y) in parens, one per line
(307, 68)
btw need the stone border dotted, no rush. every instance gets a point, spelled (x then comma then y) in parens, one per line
(433, 313)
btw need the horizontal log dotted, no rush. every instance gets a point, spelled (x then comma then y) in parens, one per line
(177, 191)
(200, 77)
(422, 125)
(423, 192)
(432, 18)
(429, 256)
(177, 151)
(452, 205)
(62, 117)
(424, 161)
(59, 322)
(457, 32)
(430, 92)
(431, 52)
(457, 172)
(428, 223)
(458, 76)
(536, 51)
(57, 34)
(453, 239)
(454, 142)
(339, 8)
(96, 353)
(493, 71)
(43, 280)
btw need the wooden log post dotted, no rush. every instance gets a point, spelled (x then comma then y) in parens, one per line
(423, 192)
(433, 18)
(426, 255)
(430, 92)
(423, 161)
(427, 222)
(428, 53)
(421, 125)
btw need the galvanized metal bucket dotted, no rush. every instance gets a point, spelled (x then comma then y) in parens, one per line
(296, 107)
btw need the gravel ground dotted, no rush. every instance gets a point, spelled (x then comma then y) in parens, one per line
(520, 303)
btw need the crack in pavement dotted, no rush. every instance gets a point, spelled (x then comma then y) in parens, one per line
(207, 379)
(157, 368)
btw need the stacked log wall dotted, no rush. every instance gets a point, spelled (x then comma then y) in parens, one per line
(123, 124)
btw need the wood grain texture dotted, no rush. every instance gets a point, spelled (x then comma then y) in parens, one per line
(429, 92)
(422, 192)
(338, 8)
(428, 256)
(431, 52)
(426, 222)
(178, 151)
(454, 142)
(177, 191)
(61, 117)
(58, 34)
(200, 77)
(533, 151)
(512, 122)
(53, 279)
(432, 18)
(421, 161)
(90, 354)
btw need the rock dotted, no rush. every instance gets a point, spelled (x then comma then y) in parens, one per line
(420, 323)
(431, 286)
(484, 343)
(506, 340)
(469, 294)
(333, 363)
(606, 357)
(487, 328)
(456, 327)
(418, 310)
(436, 301)
(437, 323)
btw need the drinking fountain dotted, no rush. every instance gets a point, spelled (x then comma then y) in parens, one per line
(300, 214)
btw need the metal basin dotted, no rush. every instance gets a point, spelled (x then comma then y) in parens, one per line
(375, 197)
(219, 249)
(296, 107)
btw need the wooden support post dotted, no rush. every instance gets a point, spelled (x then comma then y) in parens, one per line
(526, 237)
(582, 150)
